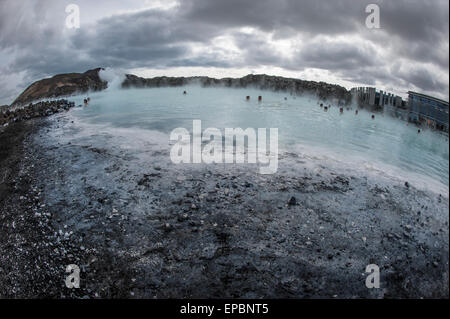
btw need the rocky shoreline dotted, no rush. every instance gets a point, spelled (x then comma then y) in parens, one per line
(40, 109)
(35, 253)
(152, 230)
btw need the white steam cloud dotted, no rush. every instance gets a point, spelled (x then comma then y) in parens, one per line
(114, 77)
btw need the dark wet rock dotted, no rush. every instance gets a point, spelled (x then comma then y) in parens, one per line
(168, 227)
(292, 201)
(408, 228)
(40, 109)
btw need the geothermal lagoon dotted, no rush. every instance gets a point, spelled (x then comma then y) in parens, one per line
(382, 146)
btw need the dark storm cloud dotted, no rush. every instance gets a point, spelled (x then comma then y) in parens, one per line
(424, 52)
(24, 24)
(153, 38)
(145, 39)
(414, 20)
(317, 17)
(411, 28)
(422, 78)
(316, 53)
(370, 75)
(256, 51)
(330, 55)
(329, 35)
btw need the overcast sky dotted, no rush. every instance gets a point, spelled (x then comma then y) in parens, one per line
(320, 40)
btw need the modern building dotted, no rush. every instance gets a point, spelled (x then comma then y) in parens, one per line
(368, 96)
(428, 110)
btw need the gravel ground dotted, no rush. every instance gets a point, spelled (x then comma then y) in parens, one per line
(140, 227)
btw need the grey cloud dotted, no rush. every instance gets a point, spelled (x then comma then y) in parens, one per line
(423, 52)
(337, 56)
(152, 38)
(415, 20)
(255, 50)
(25, 24)
(424, 20)
(317, 53)
(317, 17)
(423, 79)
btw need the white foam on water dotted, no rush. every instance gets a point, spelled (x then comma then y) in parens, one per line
(351, 164)
(136, 139)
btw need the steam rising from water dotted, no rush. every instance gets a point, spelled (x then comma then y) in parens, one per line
(114, 77)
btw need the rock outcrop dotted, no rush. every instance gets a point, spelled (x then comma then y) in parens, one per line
(40, 109)
(261, 81)
(62, 85)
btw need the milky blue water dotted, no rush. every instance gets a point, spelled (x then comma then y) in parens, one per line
(303, 126)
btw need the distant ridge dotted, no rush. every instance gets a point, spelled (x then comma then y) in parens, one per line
(71, 83)
(261, 81)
